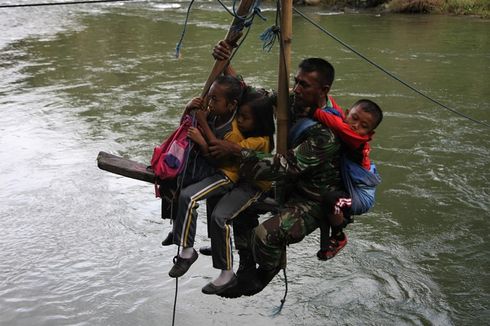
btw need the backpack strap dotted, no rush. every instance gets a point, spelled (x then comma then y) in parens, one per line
(304, 124)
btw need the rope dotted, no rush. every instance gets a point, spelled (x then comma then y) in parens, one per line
(226, 8)
(285, 291)
(389, 73)
(60, 3)
(241, 41)
(278, 310)
(179, 44)
(248, 25)
(251, 13)
(175, 299)
(243, 21)
(269, 36)
(179, 186)
(234, 13)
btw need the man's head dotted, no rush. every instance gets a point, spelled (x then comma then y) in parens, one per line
(312, 83)
(364, 116)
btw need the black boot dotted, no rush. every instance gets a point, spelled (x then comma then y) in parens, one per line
(255, 280)
(168, 240)
(247, 263)
(266, 275)
(246, 277)
(250, 282)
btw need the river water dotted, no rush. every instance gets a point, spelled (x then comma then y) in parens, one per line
(81, 246)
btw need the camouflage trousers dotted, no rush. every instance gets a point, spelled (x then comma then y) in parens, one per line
(297, 219)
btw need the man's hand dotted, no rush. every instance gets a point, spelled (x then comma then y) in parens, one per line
(221, 148)
(222, 51)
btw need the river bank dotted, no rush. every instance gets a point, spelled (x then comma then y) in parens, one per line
(480, 8)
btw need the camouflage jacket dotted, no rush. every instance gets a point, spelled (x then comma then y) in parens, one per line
(310, 167)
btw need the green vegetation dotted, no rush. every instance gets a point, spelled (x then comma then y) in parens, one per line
(455, 7)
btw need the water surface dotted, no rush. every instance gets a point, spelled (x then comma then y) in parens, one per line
(81, 246)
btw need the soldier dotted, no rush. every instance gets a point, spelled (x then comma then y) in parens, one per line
(309, 169)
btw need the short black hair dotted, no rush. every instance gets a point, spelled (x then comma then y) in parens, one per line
(233, 87)
(325, 70)
(372, 108)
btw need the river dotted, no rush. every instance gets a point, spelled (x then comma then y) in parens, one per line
(81, 246)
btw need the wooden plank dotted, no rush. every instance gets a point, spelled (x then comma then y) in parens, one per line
(125, 167)
(139, 171)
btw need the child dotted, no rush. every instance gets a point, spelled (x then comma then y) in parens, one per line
(222, 99)
(256, 122)
(355, 132)
(222, 102)
(216, 185)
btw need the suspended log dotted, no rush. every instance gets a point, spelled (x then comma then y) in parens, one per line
(125, 167)
(232, 37)
(139, 171)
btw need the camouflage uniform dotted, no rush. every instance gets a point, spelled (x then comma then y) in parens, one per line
(309, 169)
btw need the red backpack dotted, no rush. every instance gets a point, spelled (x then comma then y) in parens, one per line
(169, 158)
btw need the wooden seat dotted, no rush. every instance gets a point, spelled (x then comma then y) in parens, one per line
(140, 171)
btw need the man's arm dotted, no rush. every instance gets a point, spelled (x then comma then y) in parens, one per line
(222, 51)
(223, 148)
(311, 154)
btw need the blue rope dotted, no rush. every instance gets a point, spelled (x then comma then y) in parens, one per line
(226, 8)
(179, 44)
(268, 37)
(247, 19)
(249, 15)
(243, 21)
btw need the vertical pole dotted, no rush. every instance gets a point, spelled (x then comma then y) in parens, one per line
(283, 80)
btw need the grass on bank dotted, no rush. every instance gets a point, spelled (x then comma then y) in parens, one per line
(455, 7)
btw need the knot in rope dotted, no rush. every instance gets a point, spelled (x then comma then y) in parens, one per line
(248, 16)
(258, 12)
(269, 36)
(238, 27)
(247, 19)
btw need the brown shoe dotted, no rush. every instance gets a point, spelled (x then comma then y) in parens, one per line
(169, 240)
(182, 265)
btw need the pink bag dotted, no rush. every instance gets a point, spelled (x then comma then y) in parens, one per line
(168, 159)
